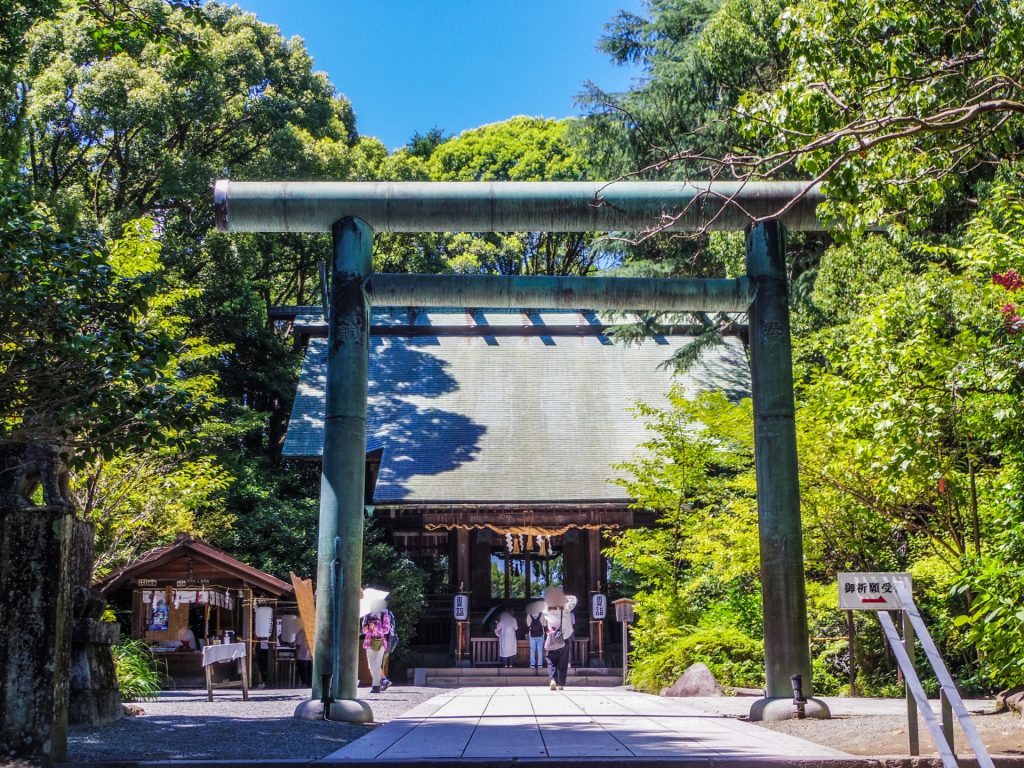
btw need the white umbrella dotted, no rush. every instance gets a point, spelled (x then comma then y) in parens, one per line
(372, 600)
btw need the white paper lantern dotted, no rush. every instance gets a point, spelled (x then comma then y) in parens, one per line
(264, 621)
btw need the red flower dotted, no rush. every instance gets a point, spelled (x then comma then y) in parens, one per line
(1011, 279)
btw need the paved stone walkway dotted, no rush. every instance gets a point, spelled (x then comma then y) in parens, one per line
(523, 722)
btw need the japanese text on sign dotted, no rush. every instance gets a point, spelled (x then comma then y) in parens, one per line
(461, 607)
(598, 606)
(871, 591)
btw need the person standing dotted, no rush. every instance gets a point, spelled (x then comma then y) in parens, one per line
(376, 627)
(558, 622)
(303, 659)
(506, 629)
(535, 632)
(385, 683)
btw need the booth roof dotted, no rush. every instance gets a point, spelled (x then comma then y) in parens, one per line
(506, 418)
(186, 546)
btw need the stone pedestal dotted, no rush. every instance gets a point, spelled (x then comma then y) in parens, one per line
(35, 644)
(94, 697)
(773, 709)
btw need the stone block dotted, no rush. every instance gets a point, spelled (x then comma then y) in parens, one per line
(695, 681)
(94, 696)
(35, 611)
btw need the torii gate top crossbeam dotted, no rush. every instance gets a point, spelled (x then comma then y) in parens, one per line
(578, 206)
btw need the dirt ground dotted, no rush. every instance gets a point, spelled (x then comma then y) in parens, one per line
(1002, 734)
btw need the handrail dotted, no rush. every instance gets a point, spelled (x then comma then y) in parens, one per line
(945, 679)
(942, 734)
(914, 684)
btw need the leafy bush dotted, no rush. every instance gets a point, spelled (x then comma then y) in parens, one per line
(137, 673)
(733, 658)
(830, 668)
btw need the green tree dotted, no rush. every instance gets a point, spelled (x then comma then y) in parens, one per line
(140, 499)
(696, 569)
(518, 149)
(124, 132)
(910, 447)
(93, 354)
(900, 107)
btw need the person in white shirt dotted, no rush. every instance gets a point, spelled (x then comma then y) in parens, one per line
(186, 639)
(506, 629)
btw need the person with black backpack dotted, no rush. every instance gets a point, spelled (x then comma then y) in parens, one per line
(535, 624)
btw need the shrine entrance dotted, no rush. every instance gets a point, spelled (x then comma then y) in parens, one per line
(353, 211)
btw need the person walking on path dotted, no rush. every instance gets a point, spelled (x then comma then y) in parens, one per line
(506, 629)
(558, 621)
(535, 631)
(385, 683)
(376, 628)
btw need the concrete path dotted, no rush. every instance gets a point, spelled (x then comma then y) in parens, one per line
(525, 723)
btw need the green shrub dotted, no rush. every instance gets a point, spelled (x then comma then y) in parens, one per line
(137, 673)
(733, 658)
(830, 667)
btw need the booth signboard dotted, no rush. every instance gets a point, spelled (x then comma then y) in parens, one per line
(872, 591)
(598, 606)
(461, 607)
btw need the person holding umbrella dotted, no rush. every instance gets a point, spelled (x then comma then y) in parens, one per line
(558, 621)
(376, 628)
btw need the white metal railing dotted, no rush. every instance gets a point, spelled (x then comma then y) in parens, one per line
(917, 700)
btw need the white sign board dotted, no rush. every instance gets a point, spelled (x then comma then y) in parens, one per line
(872, 591)
(598, 606)
(461, 607)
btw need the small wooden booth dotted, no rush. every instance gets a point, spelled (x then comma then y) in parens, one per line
(188, 595)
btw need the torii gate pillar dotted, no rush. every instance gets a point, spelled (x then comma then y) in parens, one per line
(783, 594)
(342, 476)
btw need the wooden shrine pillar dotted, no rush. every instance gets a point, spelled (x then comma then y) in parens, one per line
(462, 576)
(595, 574)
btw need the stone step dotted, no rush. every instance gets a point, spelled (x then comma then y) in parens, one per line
(501, 682)
(518, 671)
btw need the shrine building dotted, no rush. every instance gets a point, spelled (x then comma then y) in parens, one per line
(492, 437)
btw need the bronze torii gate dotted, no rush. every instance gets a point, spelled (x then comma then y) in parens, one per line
(352, 211)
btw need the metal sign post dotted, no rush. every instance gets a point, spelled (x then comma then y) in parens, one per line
(876, 591)
(885, 592)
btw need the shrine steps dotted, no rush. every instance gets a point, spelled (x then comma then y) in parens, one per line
(462, 677)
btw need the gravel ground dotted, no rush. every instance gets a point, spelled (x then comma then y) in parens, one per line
(884, 735)
(879, 726)
(184, 725)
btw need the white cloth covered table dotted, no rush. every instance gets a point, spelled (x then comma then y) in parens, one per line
(212, 654)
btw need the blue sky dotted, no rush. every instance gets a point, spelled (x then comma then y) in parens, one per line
(408, 65)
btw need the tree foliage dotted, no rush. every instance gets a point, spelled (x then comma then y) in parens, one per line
(93, 352)
(698, 566)
(894, 105)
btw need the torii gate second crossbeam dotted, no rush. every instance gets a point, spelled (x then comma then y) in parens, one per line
(353, 211)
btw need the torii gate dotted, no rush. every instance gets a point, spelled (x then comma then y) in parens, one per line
(353, 211)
